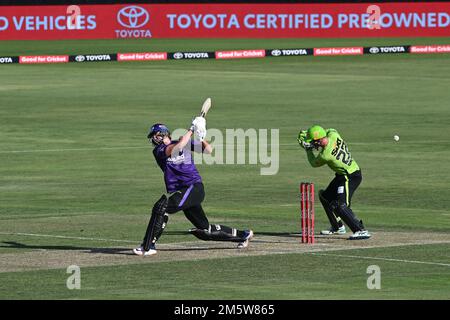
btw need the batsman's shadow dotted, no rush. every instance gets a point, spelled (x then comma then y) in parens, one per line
(176, 233)
(279, 234)
(195, 249)
(109, 250)
(299, 236)
(18, 245)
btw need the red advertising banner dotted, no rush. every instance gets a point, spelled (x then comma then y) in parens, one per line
(145, 56)
(43, 59)
(430, 49)
(225, 21)
(347, 51)
(240, 54)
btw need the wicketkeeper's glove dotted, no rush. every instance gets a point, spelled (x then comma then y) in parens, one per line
(301, 140)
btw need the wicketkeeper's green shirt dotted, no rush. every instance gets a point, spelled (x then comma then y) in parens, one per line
(335, 155)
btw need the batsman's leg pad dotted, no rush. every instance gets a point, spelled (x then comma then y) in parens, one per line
(216, 233)
(157, 222)
(335, 221)
(346, 214)
(163, 226)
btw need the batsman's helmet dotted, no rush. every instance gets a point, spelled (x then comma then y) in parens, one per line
(316, 132)
(157, 132)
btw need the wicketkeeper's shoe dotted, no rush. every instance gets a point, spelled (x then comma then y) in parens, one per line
(360, 235)
(331, 231)
(140, 251)
(248, 237)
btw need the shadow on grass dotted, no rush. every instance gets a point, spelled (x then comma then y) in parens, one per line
(128, 250)
(17, 245)
(279, 234)
(299, 236)
(113, 251)
(176, 233)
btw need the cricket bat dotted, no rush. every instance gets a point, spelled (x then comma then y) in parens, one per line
(205, 108)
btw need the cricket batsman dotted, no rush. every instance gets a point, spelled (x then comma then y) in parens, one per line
(185, 191)
(336, 198)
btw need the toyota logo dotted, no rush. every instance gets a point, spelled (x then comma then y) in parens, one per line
(178, 55)
(133, 17)
(276, 53)
(374, 50)
(80, 58)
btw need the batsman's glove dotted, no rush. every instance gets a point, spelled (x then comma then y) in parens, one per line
(301, 140)
(200, 134)
(198, 122)
(199, 128)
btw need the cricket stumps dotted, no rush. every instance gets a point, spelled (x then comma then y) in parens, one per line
(307, 211)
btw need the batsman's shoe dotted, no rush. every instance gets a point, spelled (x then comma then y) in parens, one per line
(360, 235)
(331, 231)
(140, 251)
(248, 237)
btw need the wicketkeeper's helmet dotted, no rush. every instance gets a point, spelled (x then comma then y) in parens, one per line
(157, 132)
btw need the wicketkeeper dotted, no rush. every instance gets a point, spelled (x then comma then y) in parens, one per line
(184, 187)
(336, 198)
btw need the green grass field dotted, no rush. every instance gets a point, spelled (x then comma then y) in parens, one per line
(78, 180)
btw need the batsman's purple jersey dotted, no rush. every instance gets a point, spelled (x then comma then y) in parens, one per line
(179, 170)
